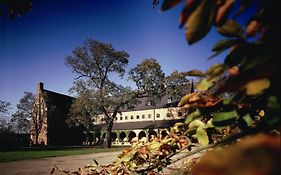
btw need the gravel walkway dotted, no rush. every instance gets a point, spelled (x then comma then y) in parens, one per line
(44, 166)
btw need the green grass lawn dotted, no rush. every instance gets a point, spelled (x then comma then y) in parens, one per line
(35, 153)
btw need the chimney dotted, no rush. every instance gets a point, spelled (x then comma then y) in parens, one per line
(192, 87)
(40, 86)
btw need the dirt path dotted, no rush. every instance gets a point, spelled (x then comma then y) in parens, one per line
(44, 166)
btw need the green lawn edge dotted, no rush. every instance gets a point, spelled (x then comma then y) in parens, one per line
(7, 156)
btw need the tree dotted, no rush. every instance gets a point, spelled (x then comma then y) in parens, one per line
(83, 109)
(177, 85)
(150, 79)
(14, 8)
(95, 62)
(250, 71)
(21, 118)
(5, 107)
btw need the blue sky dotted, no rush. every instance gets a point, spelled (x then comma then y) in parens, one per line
(33, 48)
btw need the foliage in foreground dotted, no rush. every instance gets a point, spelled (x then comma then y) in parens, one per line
(235, 99)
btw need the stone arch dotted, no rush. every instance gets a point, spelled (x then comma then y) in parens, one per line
(122, 136)
(113, 136)
(141, 134)
(131, 135)
(152, 133)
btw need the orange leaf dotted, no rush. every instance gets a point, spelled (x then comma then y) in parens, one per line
(223, 11)
(253, 27)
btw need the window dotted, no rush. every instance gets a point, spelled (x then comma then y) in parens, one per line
(149, 116)
(138, 117)
(170, 100)
(157, 115)
(126, 117)
(143, 116)
(115, 118)
(121, 118)
(132, 117)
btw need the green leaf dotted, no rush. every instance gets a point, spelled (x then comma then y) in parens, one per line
(184, 99)
(192, 116)
(224, 118)
(200, 21)
(202, 136)
(193, 73)
(167, 4)
(257, 86)
(273, 103)
(196, 124)
(248, 120)
(215, 54)
(224, 44)
(231, 29)
(188, 9)
(215, 70)
(154, 146)
(204, 84)
(227, 100)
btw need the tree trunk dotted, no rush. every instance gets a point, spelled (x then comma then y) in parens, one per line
(36, 138)
(108, 133)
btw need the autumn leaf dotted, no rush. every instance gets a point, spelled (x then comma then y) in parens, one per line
(233, 71)
(189, 7)
(257, 86)
(204, 85)
(215, 70)
(200, 21)
(224, 10)
(224, 44)
(196, 124)
(252, 28)
(192, 116)
(193, 73)
(167, 4)
(202, 136)
(249, 121)
(230, 29)
(224, 118)
(184, 100)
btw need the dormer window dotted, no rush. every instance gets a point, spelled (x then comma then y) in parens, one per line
(170, 100)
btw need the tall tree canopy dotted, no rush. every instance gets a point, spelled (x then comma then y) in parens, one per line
(5, 107)
(251, 74)
(21, 118)
(149, 78)
(177, 85)
(95, 63)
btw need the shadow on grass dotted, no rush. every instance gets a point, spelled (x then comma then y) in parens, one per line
(43, 152)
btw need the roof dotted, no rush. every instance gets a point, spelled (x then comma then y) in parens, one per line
(61, 101)
(144, 124)
(163, 103)
(64, 101)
